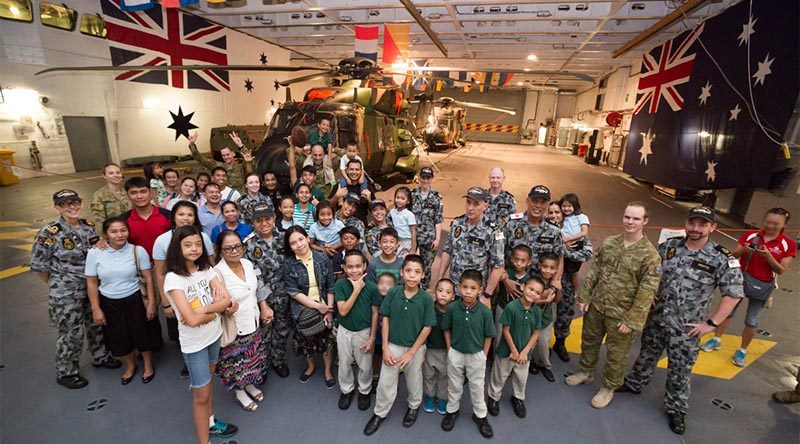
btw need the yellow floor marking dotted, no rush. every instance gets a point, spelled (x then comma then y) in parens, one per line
(13, 271)
(24, 234)
(23, 247)
(11, 223)
(718, 363)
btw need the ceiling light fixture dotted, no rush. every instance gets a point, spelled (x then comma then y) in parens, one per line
(532, 57)
(543, 13)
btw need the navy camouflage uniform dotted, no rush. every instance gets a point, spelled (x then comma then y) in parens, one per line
(60, 249)
(500, 208)
(565, 310)
(429, 211)
(372, 240)
(687, 287)
(267, 256)
(247, 204)
(479, 247)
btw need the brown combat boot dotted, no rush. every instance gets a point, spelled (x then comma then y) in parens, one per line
(579, 378)
(602, 398)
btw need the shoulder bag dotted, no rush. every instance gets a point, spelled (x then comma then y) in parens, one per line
(754, 288)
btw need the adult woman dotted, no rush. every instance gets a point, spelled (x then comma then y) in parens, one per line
(230, 211)
(117, 301)
(187, 192)
(111, 200)
(171, 182)
(251, 198)
(243, 363)
(764, 254)
(309, 281)
(199, 297)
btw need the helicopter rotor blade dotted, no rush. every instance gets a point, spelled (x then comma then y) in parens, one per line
(182, 68)
(577, 75)
(487, 107)
(429, 77)
(305, 78)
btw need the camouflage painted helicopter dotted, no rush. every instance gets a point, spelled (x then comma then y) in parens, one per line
(442, 120)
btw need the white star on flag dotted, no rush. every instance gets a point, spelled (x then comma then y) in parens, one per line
(747, 31)
(763, 70)
(734, 113)
(711, 171)
(646, 149)
(705, 93)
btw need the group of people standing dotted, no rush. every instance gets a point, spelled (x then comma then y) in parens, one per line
(239, 267)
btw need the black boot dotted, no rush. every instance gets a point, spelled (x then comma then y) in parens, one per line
(372, 425)
(677, 423)
(561, 350)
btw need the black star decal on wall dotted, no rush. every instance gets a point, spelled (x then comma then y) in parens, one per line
(248, 85)
(263, 59)
(277, 85)
(181, 124)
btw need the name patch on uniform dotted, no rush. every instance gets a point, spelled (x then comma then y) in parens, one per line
(457, 232)
(476, 241)
(499, 235)
(546, 239)
(702, 266)
(93, 240)
(733, 263)
(504, 206)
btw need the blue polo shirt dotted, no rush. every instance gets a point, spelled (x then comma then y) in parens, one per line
(209, 219)
(241, 229)
(116, 269)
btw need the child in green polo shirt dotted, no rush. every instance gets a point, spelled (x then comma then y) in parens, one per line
(434, 369)
(357, 301)
(511, 286)
(468, 331)
(540, 362)
(386, 281)
(520, 320)
(408, 316)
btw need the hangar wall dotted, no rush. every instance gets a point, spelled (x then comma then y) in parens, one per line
(136, 115)
(506, 98)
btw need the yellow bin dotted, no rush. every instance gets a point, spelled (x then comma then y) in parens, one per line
(7, 176)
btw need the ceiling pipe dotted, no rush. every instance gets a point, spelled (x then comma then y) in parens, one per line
(668, 20)
(424, 25)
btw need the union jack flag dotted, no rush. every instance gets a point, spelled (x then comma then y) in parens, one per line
(660, 77)
(166, 36)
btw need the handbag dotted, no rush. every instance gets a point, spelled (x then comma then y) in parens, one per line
(229, 330)
(142, 281)
(309, 322)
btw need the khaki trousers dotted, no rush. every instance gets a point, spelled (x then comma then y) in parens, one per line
(473, 367)
(541, 351)
(501, 370)
(349, 345)
(387, 384)
(434, 373)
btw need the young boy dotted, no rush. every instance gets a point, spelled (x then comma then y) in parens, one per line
(408, 316)
(307, 176)
(387, 261)
(548, 267)
(378, 213)
(434, 369)
(427, 208)
(350, 240)
(468, 332)
(357, 301)
(351, 153)
(511, 286)
(520, 321)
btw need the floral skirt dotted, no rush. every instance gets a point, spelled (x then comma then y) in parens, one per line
(244, 361)
(312, 346)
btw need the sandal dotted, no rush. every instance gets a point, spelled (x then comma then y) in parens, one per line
(249, 407)
(257, 397)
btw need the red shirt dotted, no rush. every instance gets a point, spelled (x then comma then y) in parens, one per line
(758, 266)
(143, 232)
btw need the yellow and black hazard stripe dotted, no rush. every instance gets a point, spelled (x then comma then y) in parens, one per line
(491, 127)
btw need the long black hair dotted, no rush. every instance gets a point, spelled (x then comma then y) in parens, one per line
(287, 249)
(175, 260)
(148, 171)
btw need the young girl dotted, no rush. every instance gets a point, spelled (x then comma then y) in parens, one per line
(404, 222)
(574, 230)
(202, 180)
(324, 233)
(154, 173)
(192, 286)
(252, 197)
(303, 213)
(286, 208)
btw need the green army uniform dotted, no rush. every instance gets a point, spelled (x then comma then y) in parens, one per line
(429, 211)
(619, 289)
(688, 281)
(60, 250)
(106, 205)
(236, 172)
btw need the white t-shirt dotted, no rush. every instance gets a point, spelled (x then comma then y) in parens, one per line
(572, 224)
(243, 292)
(402, 222)
(345, 160)
(162, 244)
(198, 291)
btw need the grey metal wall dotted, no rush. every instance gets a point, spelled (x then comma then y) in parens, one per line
(509, 99)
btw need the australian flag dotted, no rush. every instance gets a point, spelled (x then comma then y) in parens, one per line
(691, 129)
(167, 36)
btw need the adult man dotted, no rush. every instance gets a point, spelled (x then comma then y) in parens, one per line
(210, 213)
(323, 162)
(501, 202)
(265, 249)
(429, 211)
(532, 229)
(614, 300)
(235, 170)
(474, 242)
(58, 257)
(692, 267)
(219, 176)
(145, 221)
(353, 185)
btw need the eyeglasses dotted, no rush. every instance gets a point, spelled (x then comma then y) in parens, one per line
(232, 248)
(70, 204)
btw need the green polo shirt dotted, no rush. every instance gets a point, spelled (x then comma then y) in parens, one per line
(468, 327)
(360, 316)
(407, 316)
(502, 296)
(436, 338)
(547, 310)
(522, 322)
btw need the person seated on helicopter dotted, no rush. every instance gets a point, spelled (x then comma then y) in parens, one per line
(353, 182)
(322, 135)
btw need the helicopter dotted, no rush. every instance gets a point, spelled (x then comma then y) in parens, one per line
(442, 120)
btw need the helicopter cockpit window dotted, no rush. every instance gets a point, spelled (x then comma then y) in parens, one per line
(17, 10)
(281, 121)
(57, 16)
(346, 129)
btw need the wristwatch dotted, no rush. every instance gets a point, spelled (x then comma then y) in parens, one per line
(712, 323)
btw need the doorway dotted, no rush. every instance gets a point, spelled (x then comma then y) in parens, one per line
(88, 142)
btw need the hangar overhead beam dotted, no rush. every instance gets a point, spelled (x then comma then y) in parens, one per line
(668, 20)
(424, 25)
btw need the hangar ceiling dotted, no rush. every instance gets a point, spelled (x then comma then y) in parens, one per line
(477, 35)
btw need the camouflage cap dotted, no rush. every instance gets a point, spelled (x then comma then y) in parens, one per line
(65, 195)
(352, 197)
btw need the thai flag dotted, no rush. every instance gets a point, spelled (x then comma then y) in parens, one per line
(367, 42)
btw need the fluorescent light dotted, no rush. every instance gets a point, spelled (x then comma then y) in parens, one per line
(533, 57)
(520, 83)
(704, 134)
